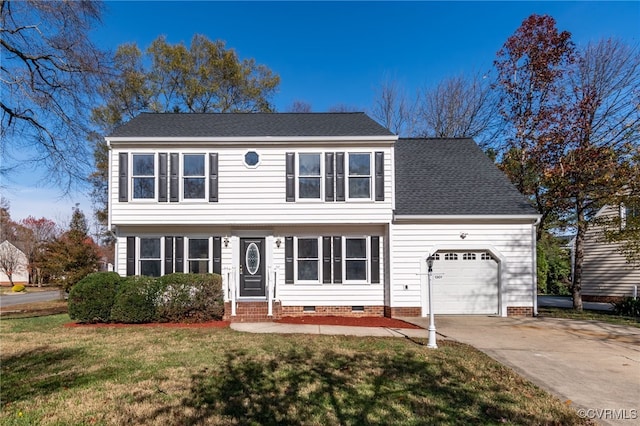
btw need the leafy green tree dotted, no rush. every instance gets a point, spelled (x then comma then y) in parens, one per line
(203, 77)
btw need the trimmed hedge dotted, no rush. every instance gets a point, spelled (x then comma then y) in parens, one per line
(190, 297)
(628, 307)
(91, 299)
(18, 288)
(135, 300)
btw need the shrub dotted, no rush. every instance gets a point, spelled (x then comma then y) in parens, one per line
(190, 297)
(91, 299)
(18, 288)
(134, 302)
(628, 307)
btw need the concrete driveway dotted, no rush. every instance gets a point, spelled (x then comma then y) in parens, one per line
(594, 365)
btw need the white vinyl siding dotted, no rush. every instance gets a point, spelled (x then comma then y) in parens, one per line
(411, 243)
(241, 189)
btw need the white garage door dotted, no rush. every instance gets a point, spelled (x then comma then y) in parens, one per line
(465, 283)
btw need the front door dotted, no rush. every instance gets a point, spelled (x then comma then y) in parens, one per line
(252, 282)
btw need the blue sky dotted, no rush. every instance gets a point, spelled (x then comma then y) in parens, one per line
(329, 53)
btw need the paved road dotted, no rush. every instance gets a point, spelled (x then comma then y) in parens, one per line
(36, 296)
(594, 365)
(566, 302)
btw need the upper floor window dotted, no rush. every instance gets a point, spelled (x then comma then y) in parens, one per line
(144, 176)
(193, 172)
(359, 175)
(309, 176)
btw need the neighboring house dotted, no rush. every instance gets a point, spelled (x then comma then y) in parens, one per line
(13, 259)
(319, 214)
(606, 274)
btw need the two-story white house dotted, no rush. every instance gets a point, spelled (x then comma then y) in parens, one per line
(319, 214)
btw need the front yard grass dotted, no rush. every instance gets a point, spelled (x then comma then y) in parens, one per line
(590, 315)
(55, 375)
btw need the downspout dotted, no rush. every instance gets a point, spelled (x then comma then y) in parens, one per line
(534, 242)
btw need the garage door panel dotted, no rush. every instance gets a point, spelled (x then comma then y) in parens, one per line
(465, 283)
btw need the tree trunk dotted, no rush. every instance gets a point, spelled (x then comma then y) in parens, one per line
(576, 286)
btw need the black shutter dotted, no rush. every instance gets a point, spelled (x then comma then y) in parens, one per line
(168, 255)
(329, 168)
(379, 176)
(375, 260)
(337, 260)
(217, 255)
(291, 177)
(131, 256)
(326, 260)
(162, 181)
(123, 178)
(179, 254)
(340, 180)
(173, 178)
(213, 177)
(288, 260)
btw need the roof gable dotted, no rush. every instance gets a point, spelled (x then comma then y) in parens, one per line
(217, 125)
(452, 177)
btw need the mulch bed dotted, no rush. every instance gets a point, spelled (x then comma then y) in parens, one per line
(208, 324)
(350, 321)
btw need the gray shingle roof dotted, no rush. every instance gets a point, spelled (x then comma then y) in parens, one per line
(452, 177)
(250, 124)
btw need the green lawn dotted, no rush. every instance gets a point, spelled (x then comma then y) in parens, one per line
(59, 375)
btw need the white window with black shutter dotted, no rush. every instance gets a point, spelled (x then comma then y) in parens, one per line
(194, 182)
(143, 176)
(359, 176)
(309, 176)
(332, 260)
(150, 257)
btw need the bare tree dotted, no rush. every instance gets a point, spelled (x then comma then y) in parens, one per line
(393, 110)
(12, 260)
(460, 107)
(300, 106)
(49, 72)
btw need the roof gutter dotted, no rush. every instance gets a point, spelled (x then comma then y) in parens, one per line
(471, 218)
(245, 139)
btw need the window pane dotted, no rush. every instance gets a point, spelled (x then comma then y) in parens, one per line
(357, 248)
(309, 165)
(193, 165)
(199, 249)
(193, 187)
(308, 248)
(359, 164)
(359, 187)
(308, 270)
(150, 248)
(143, 187)
(143, 165)
(198, 266)
(150, 268)
(309, 188)
(356, 269)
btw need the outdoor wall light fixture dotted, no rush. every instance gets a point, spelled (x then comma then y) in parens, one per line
(226, 242)
(278, 242)
(463, 235)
